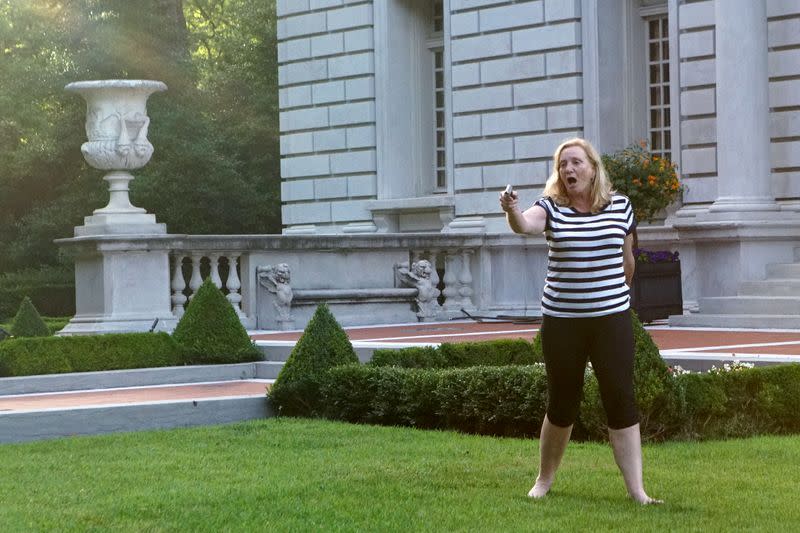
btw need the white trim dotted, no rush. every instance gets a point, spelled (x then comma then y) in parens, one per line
(674, 84)
(380, 25)
(449, 167)
(590, 51)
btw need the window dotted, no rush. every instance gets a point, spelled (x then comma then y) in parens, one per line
(436, 48)
(658, 110)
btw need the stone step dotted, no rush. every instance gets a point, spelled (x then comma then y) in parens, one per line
(771, 287)
(141, 377)
(65, 422)
(735, 321)
(783, 271)
(753, 305)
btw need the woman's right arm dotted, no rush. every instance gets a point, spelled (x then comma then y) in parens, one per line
(532, 221)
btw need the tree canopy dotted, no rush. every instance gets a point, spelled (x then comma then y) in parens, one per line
(215, 131)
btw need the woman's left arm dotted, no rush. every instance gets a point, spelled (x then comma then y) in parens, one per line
(628, 262)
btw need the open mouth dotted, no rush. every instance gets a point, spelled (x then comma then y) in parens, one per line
(572, 181)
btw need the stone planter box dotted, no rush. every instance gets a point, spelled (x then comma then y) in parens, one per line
(656, 291)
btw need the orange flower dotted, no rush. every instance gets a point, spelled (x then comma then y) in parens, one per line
(651, 179)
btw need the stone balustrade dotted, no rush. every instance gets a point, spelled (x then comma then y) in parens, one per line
(359, 276)
(276, 281)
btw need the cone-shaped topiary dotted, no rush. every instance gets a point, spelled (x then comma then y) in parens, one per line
(210, 330)
(28, 323)
(323, 345)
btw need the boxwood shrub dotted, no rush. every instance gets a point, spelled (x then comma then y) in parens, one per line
(741, 403)
(493, 400)
(56, 355)
(323, 345)
(498, 352)
(51, 289)
(27, 322)
(211, 332)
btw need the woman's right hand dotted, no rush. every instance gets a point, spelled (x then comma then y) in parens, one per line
(509, 202)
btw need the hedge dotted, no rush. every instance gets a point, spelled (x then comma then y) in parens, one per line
(57, 355)
(27, 322)
(51, 289)
(498, 352)
(492, 400)
(210, 330)
(742, 402)
(511, 401)
(323, 345)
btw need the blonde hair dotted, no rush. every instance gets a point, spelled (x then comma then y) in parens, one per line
(601, 189)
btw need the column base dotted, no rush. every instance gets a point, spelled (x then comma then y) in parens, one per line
(98, 325)
(120, 224)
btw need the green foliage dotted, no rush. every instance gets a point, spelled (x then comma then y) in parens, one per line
(51, 290)
(27, 322)
(742, 402)
(89, 353)
(463, 354)
(659, 399)
(493, 400)
(215, 131)
(648, 180)
(323, 345)
(211, 332)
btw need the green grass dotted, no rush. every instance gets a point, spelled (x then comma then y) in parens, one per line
(303, 475)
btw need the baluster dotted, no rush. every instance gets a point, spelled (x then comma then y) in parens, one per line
(233, 284)
(213, 260)
(197, 279)
(450, 281)
(465, 279)
(178, 286)
(434, 274)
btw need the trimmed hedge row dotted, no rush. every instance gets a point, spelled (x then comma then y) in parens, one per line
(742, 403)
(49, 299)
(412, 387)
(58, 355)
(50, 288)
(511, 401)
(499, 352)
(496, 400)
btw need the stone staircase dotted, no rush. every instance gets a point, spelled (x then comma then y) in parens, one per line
(772, 303)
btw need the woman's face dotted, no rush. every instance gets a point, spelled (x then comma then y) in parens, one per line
(575, 171)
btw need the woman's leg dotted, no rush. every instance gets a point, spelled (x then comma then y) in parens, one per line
(612, 360)
(627, 446)
(565, 360)
(552, 443)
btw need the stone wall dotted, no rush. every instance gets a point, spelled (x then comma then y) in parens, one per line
(327, 119)
(516, 78)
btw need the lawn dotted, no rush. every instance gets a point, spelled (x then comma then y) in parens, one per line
(301, 475)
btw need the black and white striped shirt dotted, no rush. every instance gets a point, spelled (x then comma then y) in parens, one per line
(585, 276)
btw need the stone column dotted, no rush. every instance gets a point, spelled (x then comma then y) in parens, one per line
(743, 155)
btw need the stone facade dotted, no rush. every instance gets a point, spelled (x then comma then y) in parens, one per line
(517, 78)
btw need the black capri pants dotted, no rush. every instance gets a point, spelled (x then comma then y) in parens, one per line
(606, 341)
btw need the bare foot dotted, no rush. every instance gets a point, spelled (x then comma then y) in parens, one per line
(647, 500)
(540, 489)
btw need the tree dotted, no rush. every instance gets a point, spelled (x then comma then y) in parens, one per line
(215, 166)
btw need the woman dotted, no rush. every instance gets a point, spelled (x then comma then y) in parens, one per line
(585, 307)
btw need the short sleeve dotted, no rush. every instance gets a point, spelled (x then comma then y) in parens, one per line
(630, 218)
(545, 204)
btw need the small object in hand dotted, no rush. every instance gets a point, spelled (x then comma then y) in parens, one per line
(509, 191)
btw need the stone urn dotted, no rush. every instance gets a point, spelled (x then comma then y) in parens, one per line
(116, 128)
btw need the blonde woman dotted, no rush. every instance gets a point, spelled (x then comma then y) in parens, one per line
(585, 307)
